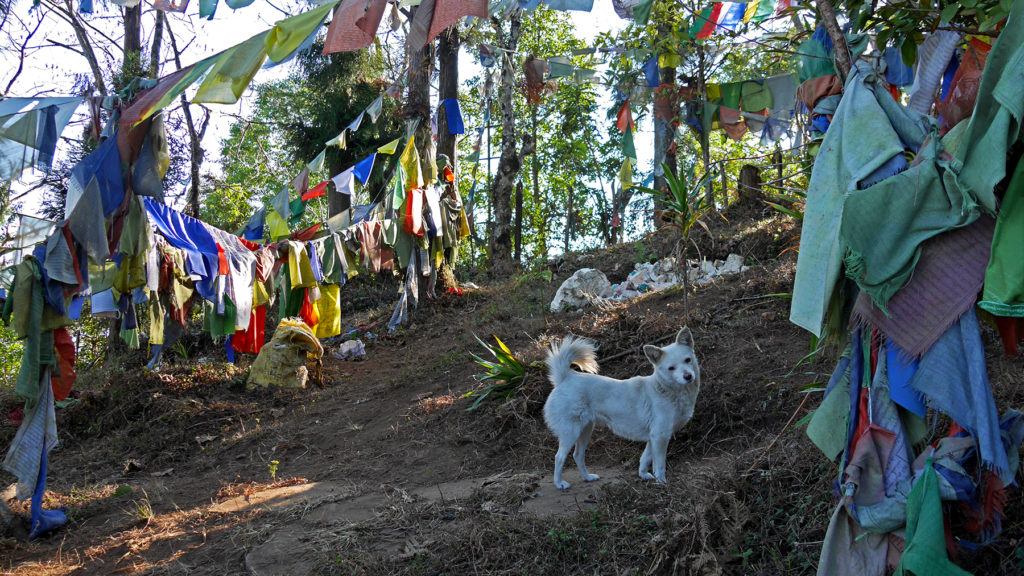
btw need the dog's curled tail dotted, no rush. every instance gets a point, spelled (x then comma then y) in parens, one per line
(571, 350)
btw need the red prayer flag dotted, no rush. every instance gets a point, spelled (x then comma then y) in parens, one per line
(315, 192)
(624, 118)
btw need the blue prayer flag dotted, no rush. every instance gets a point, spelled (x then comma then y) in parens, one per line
(363, 169)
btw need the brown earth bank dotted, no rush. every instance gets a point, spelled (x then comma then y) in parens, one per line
(382, 470)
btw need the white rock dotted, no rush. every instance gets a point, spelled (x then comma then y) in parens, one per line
(733, 264)
(579, 289)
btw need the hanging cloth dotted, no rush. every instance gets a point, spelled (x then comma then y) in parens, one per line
(354, 25)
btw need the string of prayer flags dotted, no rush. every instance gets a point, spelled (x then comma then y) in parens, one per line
(624, 118)
(354, 25)
(363, 169)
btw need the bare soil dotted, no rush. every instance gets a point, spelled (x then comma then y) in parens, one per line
(382, 470)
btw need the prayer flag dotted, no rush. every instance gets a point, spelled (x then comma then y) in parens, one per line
(290, 34)
(315, 192)
(642, 12)
(453, 114)
(448, 12)
(354, 126)
(338, 141)
(354, 25)
(317, 164)
(343, 183)
(704, 23)
(624, 118)
(582, 5)
(651, 72)
(628, 148)
(373, 110)
(280, 203)
(626, 174)
(232, 71)
(390, 147)
(410, 161)
(363, 168)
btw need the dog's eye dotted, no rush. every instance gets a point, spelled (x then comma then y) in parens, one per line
(671, 367)
(687, 360)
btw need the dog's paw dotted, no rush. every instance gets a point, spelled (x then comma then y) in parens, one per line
(647, 476)
(562, 485)
(660, 479)
(591, 477)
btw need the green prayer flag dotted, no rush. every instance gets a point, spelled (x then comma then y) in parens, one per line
(390, 147)
(765, 8)
(642, 12)
(298, 208)
(289, 34)
(628, 148)
(318, 163)
(233, 71)
(207, 8)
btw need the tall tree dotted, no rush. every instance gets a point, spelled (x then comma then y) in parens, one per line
(509, 162)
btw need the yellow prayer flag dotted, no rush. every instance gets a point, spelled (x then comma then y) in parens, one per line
(410, 161)
(626, 174)
(390, 147)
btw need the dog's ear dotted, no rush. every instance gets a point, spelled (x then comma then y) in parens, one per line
(653, 353)
(685, 337)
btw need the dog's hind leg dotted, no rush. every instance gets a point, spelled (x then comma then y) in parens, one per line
(645, 463)
(579, 454)
(560, 456)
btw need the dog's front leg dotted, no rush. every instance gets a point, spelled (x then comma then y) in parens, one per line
(645, 463)
(659, 449)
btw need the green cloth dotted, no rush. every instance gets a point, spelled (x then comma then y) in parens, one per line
(998, 113)
(560, 67)
(181, 80)
(399, 240)
(207, 8)
(216, 324)
(642, 12)
(757, 96)
(732, 92)
(26, 304)
(925, 552)
(864, 114)
(828, 427)
(289, 34)
(297, 208)
(628, 148)
(233, 71)
(1004, 277)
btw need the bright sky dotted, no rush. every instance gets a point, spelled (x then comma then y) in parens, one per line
(53, 70)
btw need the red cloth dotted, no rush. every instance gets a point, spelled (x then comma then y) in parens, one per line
(306, 234)
(251, 340)
(308, 312)
(222, 261)
(64, 377)
(1010, 330)
(414, 212)
(316, 191)
(252, 246)
(624, 118)
(448, 12)
(354, 25)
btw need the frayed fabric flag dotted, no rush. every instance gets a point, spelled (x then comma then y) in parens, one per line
(343, 183)
(390, 147)
(628, 148)
(454, 116)
(363, 168)
(624, 118)
(354, 25)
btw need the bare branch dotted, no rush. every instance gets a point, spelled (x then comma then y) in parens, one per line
(21, 55)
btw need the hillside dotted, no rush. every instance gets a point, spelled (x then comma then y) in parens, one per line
(382, 470)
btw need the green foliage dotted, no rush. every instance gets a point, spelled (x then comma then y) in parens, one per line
(904, 23)
(506, 372)
(683, 205)
(10, 356)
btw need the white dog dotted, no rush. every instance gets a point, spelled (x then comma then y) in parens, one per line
(643, 408)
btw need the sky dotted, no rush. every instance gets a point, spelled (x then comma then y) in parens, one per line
(52, 70)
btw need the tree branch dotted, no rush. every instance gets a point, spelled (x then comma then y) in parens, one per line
(842, 52)
(21, 55)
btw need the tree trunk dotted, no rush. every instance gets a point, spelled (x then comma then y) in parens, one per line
(509, 163)
(842, 51)
(448, 87)
(705, 145)
(664, 134)
(749, 184)
(154, 51)
(519, 223)
(132, 39)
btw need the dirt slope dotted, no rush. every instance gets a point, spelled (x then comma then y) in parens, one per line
(383, 471)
